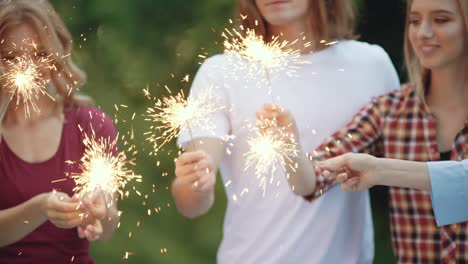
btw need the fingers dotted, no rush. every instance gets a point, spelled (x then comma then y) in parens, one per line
(351, 185)
(188, 169)
(96, 209)
(80, 231)
(62, 211)
(206, 183)
(336, 164)
(65, 220)
(91, 232)
(267, 111)
(191, 166)
(188, 158)
(342, 177)
(270, 112)
(62, 202)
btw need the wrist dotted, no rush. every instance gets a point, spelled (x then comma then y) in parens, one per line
(41, 203)
(377, 171)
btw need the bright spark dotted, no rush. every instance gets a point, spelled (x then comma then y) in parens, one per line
(171, 115)
(102, 169)
(258, 56)
(267, 152)
(24, 81)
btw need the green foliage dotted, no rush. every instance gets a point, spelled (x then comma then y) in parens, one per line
(126, 46)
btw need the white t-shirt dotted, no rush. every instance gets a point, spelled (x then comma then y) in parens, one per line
(277, 226)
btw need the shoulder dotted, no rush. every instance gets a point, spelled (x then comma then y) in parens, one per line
(215, 71)
(89, 119)
(215, 62)
(88, 114)
(363, 51)
(361, 48)
(399, 100)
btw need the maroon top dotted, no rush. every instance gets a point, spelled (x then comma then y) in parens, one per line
(21, 180)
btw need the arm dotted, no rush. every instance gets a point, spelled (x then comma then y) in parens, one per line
(447, 180)
(299, 169)
(358, 172)
(19, 221)
(193, 187)
(361, 134)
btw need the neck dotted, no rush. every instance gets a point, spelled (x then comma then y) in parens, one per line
(19, 115)
(449, 87)
(297, 32)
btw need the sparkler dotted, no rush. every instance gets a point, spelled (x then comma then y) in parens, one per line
(255, 55)
(173, 114)
(24, 81)
(269, 150)
(258, 55)
(103, 171)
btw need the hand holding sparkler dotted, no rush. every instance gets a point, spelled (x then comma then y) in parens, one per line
(196, 169)
(279, 124)
(275, 145)
(96, 211)
(272, 118)
(61, 210)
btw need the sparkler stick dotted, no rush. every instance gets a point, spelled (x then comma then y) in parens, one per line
(5, 106)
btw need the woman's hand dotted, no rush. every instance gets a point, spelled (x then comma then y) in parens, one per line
(196, 169)
(355, 172)
(92, 231)
(96, 211)
(277, 120)
(61, 210)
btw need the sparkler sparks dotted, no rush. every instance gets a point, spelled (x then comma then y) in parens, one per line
(268, 151)
(173, 114)
(257, 56)
(102, 170)
(24, 81)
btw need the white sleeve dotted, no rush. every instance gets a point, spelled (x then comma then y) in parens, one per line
(210, 77)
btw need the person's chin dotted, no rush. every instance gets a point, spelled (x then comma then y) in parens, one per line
(433, 63)
(279, 20)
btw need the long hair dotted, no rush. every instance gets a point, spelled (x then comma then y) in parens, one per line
(418, 75)
(329, 19)
(55, 38)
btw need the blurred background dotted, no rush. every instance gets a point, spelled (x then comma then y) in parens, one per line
(126, 46)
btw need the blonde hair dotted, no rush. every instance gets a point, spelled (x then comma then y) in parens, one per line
(55, 38)
(329, 19)
(418, 75)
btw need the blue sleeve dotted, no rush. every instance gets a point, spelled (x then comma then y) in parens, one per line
(449, 180)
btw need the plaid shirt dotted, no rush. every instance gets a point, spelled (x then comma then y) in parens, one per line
(397, 125)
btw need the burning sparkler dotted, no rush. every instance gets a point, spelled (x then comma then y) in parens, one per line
(103, 171)
(258, 55)
(24, 81)
(268, 151)
(173, 114)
